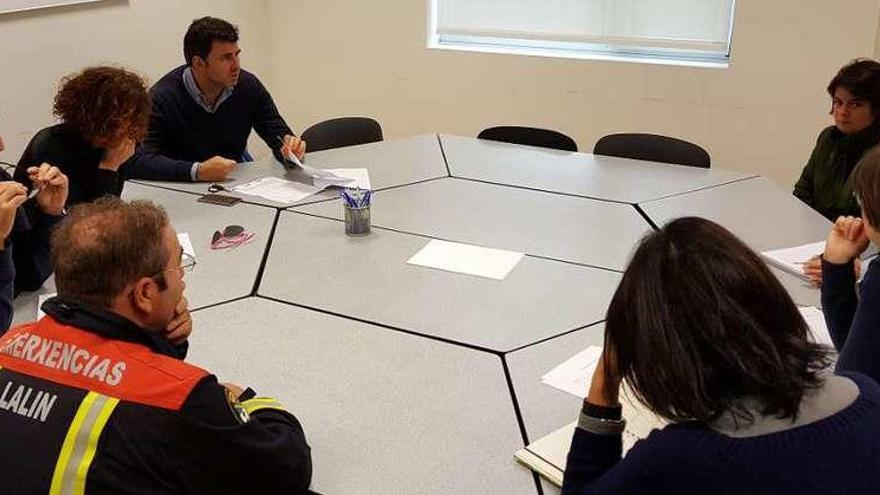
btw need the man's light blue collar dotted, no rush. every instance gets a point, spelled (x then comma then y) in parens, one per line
(193, 89)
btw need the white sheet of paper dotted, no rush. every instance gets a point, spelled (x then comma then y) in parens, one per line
(574, 375)
(40, 300)
(464, 258)
(790, 259)
(277, 189)
(355, 177)
(816, 321)
(186, 244)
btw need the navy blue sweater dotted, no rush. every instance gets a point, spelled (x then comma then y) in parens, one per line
(853, 321)
(836, 455)
(182, 132)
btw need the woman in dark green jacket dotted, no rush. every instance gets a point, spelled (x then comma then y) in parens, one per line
(855, 101)
(824, 184)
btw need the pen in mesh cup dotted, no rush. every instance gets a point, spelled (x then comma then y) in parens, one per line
(356, 197)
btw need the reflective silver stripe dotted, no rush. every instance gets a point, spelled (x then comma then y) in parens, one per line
(80, 446)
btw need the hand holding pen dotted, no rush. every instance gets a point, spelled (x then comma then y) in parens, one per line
(293, 148)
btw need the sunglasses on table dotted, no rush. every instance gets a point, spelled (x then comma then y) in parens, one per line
(231, 236)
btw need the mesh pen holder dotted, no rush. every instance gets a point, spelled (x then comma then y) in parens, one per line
(357, 220)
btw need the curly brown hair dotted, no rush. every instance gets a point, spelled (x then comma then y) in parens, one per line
(102, 103)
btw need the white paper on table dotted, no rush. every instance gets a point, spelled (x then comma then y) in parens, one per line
(40, 300)
(277, 189)
(464, 258)
(791, 259)
(186, 244)
(354, 177)
(816, 321)
(574, 375)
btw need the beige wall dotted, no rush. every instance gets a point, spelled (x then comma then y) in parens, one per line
(37, 48)
(339, 57)
(328, 58)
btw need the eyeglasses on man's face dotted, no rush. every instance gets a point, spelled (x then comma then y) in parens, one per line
(187, 263)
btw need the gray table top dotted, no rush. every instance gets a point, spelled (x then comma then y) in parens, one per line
(391, 163)
(555, 226)
(761, 213)
(545, 409)
(384, 412)
(579, 174)
(219, 275)
(314, 264)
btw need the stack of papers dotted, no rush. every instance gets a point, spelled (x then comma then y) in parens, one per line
(277, 189)
(792, 259)
(464, 258)
(288, 191)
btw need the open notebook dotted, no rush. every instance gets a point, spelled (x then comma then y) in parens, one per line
(546, 456)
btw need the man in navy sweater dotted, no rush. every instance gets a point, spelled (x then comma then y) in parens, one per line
(203, 112)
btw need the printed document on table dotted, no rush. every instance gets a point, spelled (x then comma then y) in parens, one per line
(186, 244)
(277, 189)
(791, 259)
(816, 321)
(574, 375)
(354, 177)
(464, 258)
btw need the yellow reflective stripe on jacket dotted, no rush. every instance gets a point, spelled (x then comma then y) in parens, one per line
(258, 403)
(80, 444)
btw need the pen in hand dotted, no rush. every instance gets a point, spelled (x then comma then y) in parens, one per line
(291, 157)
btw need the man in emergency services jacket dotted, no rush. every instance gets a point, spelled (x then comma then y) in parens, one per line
(94, 397)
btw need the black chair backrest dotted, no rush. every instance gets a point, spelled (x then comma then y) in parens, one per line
(654, 148)
(344, 131)
(531, 136)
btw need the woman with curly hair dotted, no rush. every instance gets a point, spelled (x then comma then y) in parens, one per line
(104, 112)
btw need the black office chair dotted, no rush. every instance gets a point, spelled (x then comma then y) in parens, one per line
(344, 131)
(531, 136)
(653, 147)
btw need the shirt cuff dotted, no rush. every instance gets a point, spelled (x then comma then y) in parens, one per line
(601, 420)
(194, 172)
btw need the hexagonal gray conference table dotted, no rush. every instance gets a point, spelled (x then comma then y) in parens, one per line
(415, 380)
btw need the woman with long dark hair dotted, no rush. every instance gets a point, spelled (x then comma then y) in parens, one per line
(707, 339)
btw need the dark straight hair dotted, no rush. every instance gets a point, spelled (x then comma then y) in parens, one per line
(699, 323)
(202, 34)
(861, 77)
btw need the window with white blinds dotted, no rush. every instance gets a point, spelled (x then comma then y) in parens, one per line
(665, 31)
